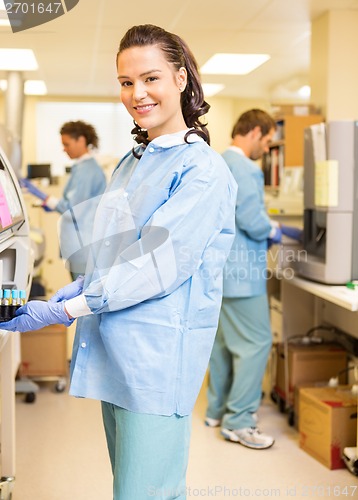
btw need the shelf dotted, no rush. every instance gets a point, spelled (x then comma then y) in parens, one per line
(273, 164)
(339, 295)
(287, 151)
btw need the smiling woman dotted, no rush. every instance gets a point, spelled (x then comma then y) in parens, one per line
(149, 304)
(160, 72)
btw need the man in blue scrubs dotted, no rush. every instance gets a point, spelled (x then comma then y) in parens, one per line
(243, 339)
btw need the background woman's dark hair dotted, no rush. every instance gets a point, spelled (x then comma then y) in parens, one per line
(178, 53)
(80, 128)
(251, 119)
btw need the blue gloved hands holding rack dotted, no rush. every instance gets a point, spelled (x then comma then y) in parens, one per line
(37, 314)
(33, 189)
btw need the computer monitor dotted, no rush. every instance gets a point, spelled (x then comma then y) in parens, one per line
(11, 212)
(39, 170)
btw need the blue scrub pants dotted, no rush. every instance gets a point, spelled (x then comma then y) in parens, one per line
(238, 361)
(149, 454)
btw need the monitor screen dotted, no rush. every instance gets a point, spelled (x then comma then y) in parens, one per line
(36, 170)
(11, 211)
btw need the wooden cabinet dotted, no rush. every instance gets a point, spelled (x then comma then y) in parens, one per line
(44, 353)
(287, 150)
(293, 130)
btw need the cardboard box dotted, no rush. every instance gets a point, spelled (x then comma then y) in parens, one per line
(306, 364)
(44, 352)
(328, 423)
(296, 403)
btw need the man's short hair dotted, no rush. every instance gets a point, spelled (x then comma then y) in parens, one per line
(251, 119)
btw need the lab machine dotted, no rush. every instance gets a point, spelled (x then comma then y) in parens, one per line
(16, 265)
(330, 236)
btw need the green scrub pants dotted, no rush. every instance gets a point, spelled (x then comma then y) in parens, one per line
(149, 454)
(238, 361)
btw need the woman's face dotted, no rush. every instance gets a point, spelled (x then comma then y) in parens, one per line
(74, 147)
(150, 90)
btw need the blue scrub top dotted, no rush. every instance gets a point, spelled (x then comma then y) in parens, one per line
(245, 269)
(162, 233)
(78, 206)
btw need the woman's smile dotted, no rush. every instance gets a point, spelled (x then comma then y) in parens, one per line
(144, 108)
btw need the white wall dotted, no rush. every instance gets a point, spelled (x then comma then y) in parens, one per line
(111, 121)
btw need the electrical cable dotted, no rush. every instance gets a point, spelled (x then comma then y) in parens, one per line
(304, 340)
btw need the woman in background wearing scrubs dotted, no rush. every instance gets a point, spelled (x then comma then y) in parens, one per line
(81, 194)
(151, 298)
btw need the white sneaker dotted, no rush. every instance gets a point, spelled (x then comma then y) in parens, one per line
(212, 422)
(250, 437)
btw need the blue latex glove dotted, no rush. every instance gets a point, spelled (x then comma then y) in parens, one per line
(33, 189)
(292, 232)
(276, 238)
(46, 208)
(69, 291)
(37, 314)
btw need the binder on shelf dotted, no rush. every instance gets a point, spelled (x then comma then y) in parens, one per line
(272, 166)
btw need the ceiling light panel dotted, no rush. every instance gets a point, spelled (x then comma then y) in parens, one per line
(233, 64)
(17, 60)
(35, 87)
(211, 89)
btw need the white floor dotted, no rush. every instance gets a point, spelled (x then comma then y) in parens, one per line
(61, 455)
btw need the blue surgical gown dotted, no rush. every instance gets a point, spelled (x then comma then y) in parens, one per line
(162, 233)
(78, 206)
(245, 269)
